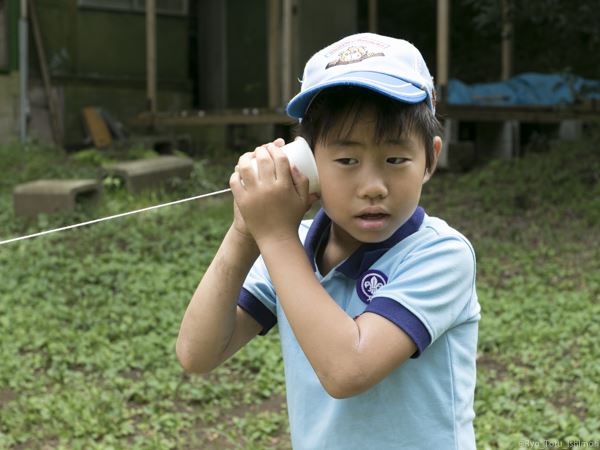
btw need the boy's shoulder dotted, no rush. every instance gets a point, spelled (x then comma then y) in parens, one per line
(440, 228)
(437, 235)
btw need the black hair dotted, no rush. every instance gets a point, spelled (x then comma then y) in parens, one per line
(394, 119)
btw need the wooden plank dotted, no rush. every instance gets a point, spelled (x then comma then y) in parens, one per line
(534, 114)
(50, 94)
(151, 54)
(96, 127)
(198, 118)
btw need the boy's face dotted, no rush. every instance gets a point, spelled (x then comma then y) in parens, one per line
(368, 189)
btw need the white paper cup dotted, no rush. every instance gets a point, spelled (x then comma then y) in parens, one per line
(300, 155)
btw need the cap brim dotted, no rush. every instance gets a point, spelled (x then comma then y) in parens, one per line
(388, 85)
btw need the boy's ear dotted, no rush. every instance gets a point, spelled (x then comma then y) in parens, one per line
(437, 149)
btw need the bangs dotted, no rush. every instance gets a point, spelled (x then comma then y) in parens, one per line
(343, 112)
(335, 111)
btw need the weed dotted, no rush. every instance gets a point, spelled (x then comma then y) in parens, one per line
(89, 317)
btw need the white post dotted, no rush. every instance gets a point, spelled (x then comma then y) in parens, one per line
(373, 16)
(286, 51)
(443, 38)
(443, 19)
(151, 54)
(23, 73)
(507, 39)
(274, 40)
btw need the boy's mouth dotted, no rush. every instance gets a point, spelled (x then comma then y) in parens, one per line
(373, 213)
(373, 216)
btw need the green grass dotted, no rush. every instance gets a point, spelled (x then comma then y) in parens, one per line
(89, 317)
(534, 223)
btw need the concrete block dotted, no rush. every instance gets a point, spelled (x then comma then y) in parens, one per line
(570, 130)
(151, 172)
(49, 196)
(499, 139)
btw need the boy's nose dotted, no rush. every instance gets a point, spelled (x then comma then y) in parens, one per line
(373, 187)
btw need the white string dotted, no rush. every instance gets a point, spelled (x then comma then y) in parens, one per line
(116, 216)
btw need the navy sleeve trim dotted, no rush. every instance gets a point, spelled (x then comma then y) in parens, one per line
(257, 310)
(403, 318)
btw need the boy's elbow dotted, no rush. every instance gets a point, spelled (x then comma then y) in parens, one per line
(342, 391)
(345, 385)
(190, 362)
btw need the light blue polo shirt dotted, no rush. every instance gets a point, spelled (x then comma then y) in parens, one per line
(423, 280)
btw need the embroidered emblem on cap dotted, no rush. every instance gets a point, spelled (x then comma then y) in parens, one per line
(352, 55)
(369, 283)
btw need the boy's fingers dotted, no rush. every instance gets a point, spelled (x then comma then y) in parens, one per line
(248, 168)
(245, 157)
(300, 184)
(279, 142)
(282, 164)
(235, 183)
(264, 164)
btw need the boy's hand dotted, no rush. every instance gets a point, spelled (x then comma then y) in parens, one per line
(238, 220)
(273, 201)
(239, 224)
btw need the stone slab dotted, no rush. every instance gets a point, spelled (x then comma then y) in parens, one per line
(151, 172)
(49, 196)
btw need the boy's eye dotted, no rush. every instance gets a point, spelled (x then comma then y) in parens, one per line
(346, 161)
(396, 160)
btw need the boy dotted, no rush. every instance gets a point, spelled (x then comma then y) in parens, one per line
(375, 300)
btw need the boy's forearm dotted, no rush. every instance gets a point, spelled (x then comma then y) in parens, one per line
(209, 320)
(328, 336)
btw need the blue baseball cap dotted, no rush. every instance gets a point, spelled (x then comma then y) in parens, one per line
(389, 66)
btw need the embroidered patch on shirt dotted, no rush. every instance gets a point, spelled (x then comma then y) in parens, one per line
(369, 283)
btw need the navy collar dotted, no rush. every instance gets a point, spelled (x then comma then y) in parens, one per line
(367, 254)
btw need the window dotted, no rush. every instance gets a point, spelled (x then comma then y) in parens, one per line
(169, 7)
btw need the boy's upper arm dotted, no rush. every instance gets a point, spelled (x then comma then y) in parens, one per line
(423, 299)
(383, 346)
(258, 299)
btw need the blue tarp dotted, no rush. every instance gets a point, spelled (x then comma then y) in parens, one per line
(525, 89)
